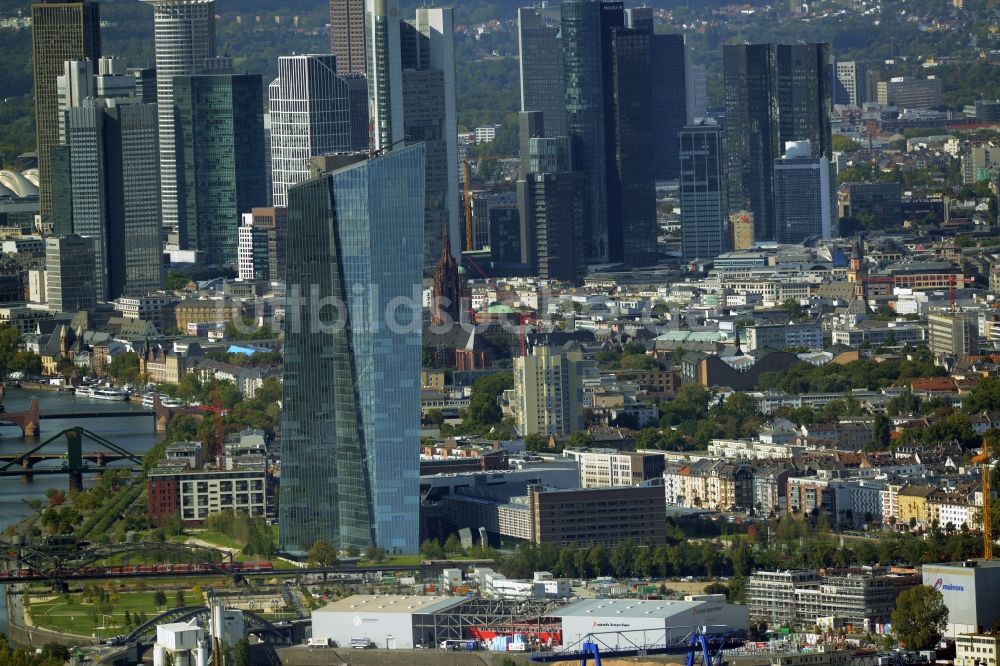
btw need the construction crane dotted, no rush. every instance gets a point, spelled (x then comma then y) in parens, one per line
(467, 194)
(984, 460)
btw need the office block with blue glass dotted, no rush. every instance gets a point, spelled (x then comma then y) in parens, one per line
(351, 412)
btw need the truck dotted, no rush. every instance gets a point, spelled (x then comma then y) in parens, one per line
(320, 641)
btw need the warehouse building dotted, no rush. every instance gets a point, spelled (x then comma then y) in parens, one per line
(390, 622)
(970, 593)
(625, 623)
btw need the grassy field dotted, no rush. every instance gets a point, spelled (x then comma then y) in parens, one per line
(75, 616)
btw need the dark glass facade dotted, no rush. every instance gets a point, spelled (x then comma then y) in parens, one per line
(587, 67)
(541, 69)
(703, 210)
(60, 31)
(632, 188)
(670, 101)
(350, 419)
(774, 93)
(220, 158)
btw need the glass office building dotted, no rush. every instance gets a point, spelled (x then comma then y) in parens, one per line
(350, 419)
(221, 163)
(775, 93)
(703, 210)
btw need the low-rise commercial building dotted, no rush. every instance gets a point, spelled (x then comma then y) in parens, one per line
(977, 649)
(970, 593)
(597, 516)
(605, 468)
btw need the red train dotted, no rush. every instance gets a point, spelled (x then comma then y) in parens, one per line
(146, 569)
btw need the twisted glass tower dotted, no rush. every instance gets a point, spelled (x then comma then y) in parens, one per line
(350, 419)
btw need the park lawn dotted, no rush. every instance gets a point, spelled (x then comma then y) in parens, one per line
(74, 616)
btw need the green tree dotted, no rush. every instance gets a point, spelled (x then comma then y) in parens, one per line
(484, 408)
(241, 653)
(920, 617)
(322, 554)
(27, 362)
(179, 600)
(10, 342)
(453, 545)
(159, 599)
(177, 280)
(189, 388)
(375, 554)
(985, 397)
(124, 368)
(431, 549)
(881, 431)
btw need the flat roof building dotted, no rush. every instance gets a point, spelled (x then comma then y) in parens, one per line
(969, 590)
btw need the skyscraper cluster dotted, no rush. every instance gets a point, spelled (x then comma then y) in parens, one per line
(599, 77)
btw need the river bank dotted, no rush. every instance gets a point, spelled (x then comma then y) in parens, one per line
(134, 434)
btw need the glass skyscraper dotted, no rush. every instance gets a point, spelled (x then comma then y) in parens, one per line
(541, 69)
(350, 418)
(60, 31)
(185, 40)
(586, 66)
(310, 108)
(702, 189)
(775, 93)
(221, 165)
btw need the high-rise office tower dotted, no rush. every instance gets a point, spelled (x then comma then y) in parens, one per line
(275, 220)
(113, 197)
(385, 73)
(852, 81)
(774, 93)
(411, 95)
(60, 31)
(586, 68)
(673, 91)
(632, 224)
(351, 409)
(347, 35)
(702, 192)
(555, 204)
(185, 39)
(221, 165)
(69, 273)
(311, 115)
(804, 194)
(543, 85)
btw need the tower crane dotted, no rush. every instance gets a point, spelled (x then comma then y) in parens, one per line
(983, 459)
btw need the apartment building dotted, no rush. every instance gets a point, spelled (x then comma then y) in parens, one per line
(977, 649)
(709, 484)
(854, 596)
(195, 494)
(605, 468)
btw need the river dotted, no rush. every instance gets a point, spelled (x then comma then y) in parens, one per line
(132, 433)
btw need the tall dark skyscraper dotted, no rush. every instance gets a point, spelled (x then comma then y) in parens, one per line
(347, 35)
(774, 93)
(673, 90)
(220, 158)
(543, 85)
(632, 186)
(702, 189)
(60, 31)
(351, 411)
(609, 120)
(585, 61)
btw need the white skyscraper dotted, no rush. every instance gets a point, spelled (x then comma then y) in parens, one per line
(385, 75)
(185, 40)
(310, 108)
(805, 194)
